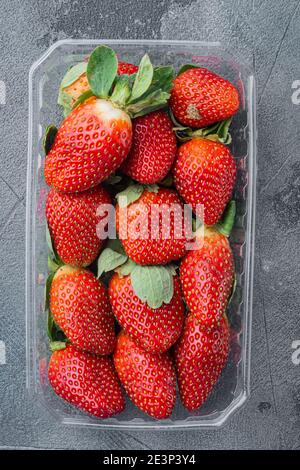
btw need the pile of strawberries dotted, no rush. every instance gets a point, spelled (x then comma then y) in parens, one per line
(136, 142)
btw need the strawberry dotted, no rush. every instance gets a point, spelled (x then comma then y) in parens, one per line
(75, 83)
(153, 148)
(126, 68)
(200, 356)
(91, 143)
(207, 276)
(80, 307)
(204, 174)
(147, 235)
(149, 379)
(72, 221)
(95, 137)
(156, 330)
(200, 97)
(87, 381)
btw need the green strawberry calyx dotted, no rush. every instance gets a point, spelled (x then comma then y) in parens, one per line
(133, 192)
(55, 334)
(226, 223)
(168, 181)
(218, 132)
(185, 67)
(113, 179)
(73, 73)
(233, 289)
(49, 137)
(152, 284)
(54, 261)
(58, 345)
(111, 257)
(141, 93)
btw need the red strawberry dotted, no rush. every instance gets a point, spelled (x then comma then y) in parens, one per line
(153, 148)
(149, 379)
(95, 137)
(150, 239)
(80, 84)
(200, 97)
(200, 356)
(80, 307)
(206, 276)
(91, 143)
(87, 381)
(72, 221)
(126, 68)
(156, 330)
(204, 174)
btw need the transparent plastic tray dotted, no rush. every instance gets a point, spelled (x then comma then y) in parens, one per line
(45, 75)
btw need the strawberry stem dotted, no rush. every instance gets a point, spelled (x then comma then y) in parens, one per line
(121, 92)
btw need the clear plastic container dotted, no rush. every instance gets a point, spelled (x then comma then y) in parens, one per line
(45, 75)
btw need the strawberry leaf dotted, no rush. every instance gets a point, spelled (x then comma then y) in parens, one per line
(65, 100)
(115, 245)
(108, 260)
(152, 188)
(233, 289)
(52, 250)
(73, 74)
(143, 79)
(113, 179)
(133, 192)
(49, 240)
(150, 89)
(84, 96)
(185, 67)
(126, 268)
(53, 331)
(49, 138)
(167, 182)
(153, 284)
(218, 132)
(226, 223)
(162, 79)
(156, 100)
(53, 264)
(177, 124)
(58, 345)
(102, 70)
(129, 195)
(223, 131)
(50, 324)
(121, 92)
(47, 289)
(171, 268)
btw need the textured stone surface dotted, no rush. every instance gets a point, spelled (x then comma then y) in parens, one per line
(260, 32)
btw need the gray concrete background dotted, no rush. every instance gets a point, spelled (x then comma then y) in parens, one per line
(270, 30)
